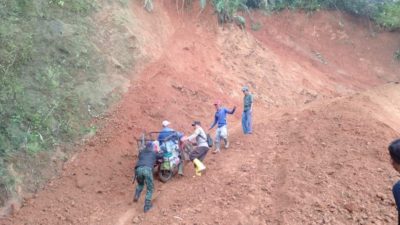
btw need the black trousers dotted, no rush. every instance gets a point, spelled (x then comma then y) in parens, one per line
(199, 153)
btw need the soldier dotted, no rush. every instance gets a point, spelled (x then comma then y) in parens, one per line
(144, 173)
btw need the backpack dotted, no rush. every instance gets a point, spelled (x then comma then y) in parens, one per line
(209, 140)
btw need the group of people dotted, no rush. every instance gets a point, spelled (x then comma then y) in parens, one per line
(148, 156)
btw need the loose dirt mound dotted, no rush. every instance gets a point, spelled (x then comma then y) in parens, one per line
(315, 157)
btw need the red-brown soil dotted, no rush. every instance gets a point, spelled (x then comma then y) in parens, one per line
(323, 116)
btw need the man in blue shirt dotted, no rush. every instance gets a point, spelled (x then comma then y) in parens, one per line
(247, 110)
(169, 133)
(169, 142)
(165, 132)
(394, 151)
(222, 130)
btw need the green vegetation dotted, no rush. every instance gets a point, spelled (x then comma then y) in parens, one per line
(384, 12)
(45, 53)
(47, 61)
(226, 9)
(389, 15)
(397, 54)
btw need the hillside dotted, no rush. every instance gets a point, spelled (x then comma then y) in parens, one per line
(325, 111)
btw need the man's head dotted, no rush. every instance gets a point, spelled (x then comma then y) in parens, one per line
(394, 151)
(245, 90)
(149, 146)
(152, 146)
(196, 123)
(165, 123)
(217, 104)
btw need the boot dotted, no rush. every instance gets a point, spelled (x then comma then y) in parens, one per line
(137, 195)
(197, 172)
(226, 143)
(216, 151)
(147, 205)
(199, 165)
(180, 168)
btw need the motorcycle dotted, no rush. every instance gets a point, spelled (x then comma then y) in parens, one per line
(174, 151)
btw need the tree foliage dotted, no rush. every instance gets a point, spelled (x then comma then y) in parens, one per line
(385, 12)
(389, 15)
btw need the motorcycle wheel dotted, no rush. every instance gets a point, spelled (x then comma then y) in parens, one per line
(165, 175)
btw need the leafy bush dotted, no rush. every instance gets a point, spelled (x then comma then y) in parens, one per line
(227, 8)
(309, 5)
(389, 15)
(384, 12)
(397, 54)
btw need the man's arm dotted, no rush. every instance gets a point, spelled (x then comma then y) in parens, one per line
(215, 122)
(138, 158)
(159, 155)
(194, 135)
(178, 134)
(160, 137)
(251, 103)
(231, 111)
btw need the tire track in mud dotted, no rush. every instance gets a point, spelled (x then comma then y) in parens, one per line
(281, 199)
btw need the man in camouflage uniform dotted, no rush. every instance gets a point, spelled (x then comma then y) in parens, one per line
(144, 174)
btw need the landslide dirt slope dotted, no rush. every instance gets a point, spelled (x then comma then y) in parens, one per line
(323, 117)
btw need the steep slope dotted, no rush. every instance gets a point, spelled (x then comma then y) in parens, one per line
(314, 157)
(323, 164)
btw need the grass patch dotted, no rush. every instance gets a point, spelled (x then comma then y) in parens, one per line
(256, 26)
(45, 54)
(397, 54)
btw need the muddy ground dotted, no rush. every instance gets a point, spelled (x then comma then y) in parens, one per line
(325, 110)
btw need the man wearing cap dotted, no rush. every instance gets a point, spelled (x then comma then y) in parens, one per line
(247, 110)
(173, 139)
(220, 120)
(200, 151)
(165, 132)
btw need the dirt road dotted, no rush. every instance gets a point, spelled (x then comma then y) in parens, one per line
(325, 110)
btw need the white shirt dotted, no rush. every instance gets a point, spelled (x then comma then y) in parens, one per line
(200, 136)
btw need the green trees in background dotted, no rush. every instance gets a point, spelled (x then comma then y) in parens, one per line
(384, 12)
(389, 15)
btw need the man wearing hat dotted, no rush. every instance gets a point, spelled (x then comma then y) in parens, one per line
(200, 151)
(222, 130)
(247, 110)
(165, 132)
(173, 140)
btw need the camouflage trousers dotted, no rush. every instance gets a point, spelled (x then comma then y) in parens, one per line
(144, 175)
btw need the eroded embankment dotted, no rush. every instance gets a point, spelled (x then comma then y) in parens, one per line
(308, 160)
